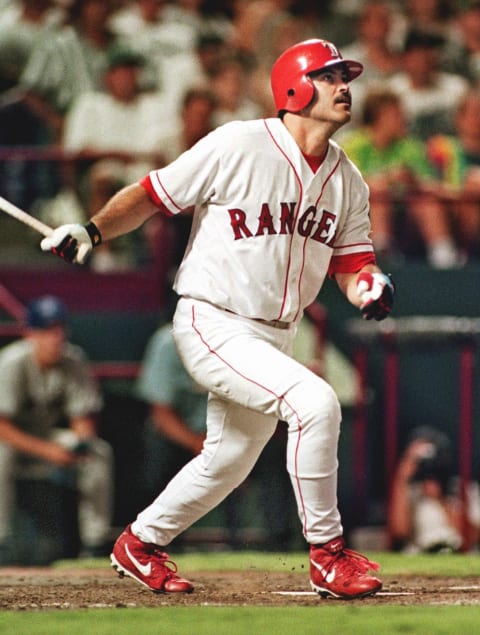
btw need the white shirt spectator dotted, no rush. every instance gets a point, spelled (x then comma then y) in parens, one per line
(435, 103)
(97, 121)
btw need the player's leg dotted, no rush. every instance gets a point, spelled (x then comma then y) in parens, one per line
(230, 451)
(245, 365)
(235, 438)
(249, 364)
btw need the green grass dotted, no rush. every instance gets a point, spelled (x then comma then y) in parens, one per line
(328, 618)
(390, 563)
(340, 619)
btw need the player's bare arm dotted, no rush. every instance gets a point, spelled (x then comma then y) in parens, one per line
(34, 446)
(127, 210)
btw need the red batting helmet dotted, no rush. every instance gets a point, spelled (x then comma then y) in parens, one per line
(292, 87)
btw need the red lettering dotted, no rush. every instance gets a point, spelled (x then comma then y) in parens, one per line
(307, 221)
(324, 233)
(287, 217)
(265, 221)
(237, 220)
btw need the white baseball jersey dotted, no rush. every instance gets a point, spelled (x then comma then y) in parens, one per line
(266, 228)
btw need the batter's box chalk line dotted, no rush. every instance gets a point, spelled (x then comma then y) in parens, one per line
(303, 593)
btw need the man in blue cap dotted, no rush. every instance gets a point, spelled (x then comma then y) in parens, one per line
(48, 403)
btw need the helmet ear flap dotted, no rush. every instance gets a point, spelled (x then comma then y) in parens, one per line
(300, 94)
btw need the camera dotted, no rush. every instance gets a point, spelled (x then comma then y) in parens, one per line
(432, 464)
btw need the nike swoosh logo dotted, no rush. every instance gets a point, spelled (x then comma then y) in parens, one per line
(145, 569)
(327, 576)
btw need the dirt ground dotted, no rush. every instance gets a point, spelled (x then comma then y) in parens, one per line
(27, 589)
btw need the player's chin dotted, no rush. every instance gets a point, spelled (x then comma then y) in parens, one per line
(345, 116)
(345, 109)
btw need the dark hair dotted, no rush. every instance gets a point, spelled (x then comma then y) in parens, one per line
(423, 39)
(209, 40)
(123, 56)
(374, 103)
(437, 464)
(198, 93)
(75, 9)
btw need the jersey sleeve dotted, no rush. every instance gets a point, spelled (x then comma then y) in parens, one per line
(353, 248)
(187, 181)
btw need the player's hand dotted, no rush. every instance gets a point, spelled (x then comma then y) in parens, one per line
(72, 242)
(376, 291)
(57, 455)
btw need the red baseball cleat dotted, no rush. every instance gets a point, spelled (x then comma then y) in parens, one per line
(341, 573)
(148, 564)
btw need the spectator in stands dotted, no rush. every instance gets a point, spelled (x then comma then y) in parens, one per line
(195, 120)
(26, 24)
(456, 159)
(374, 48)
(70, 62)
(191, 69)
(278, 33)
(173, 49)
(48, 408)
(203, 17)
(425, 511)
(95, 128)
(434, 16)
(147, 23)
(24, 180)
(331, 20)
(248, 18)
(464, 51)
(229, 83)
(430, 95)
(175, 431)
(395, 166)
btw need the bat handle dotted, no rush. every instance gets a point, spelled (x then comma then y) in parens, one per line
(27, 219)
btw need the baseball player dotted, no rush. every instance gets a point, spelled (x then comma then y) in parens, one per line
(277, 207)
(48, 406)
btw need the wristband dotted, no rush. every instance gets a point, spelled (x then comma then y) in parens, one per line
(94, 234)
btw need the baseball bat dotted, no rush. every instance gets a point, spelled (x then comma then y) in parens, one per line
(23, 217)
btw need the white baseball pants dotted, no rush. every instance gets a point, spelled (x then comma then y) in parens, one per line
(252, 383)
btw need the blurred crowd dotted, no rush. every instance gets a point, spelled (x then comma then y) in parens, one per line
(123, 86)
(94, 93)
